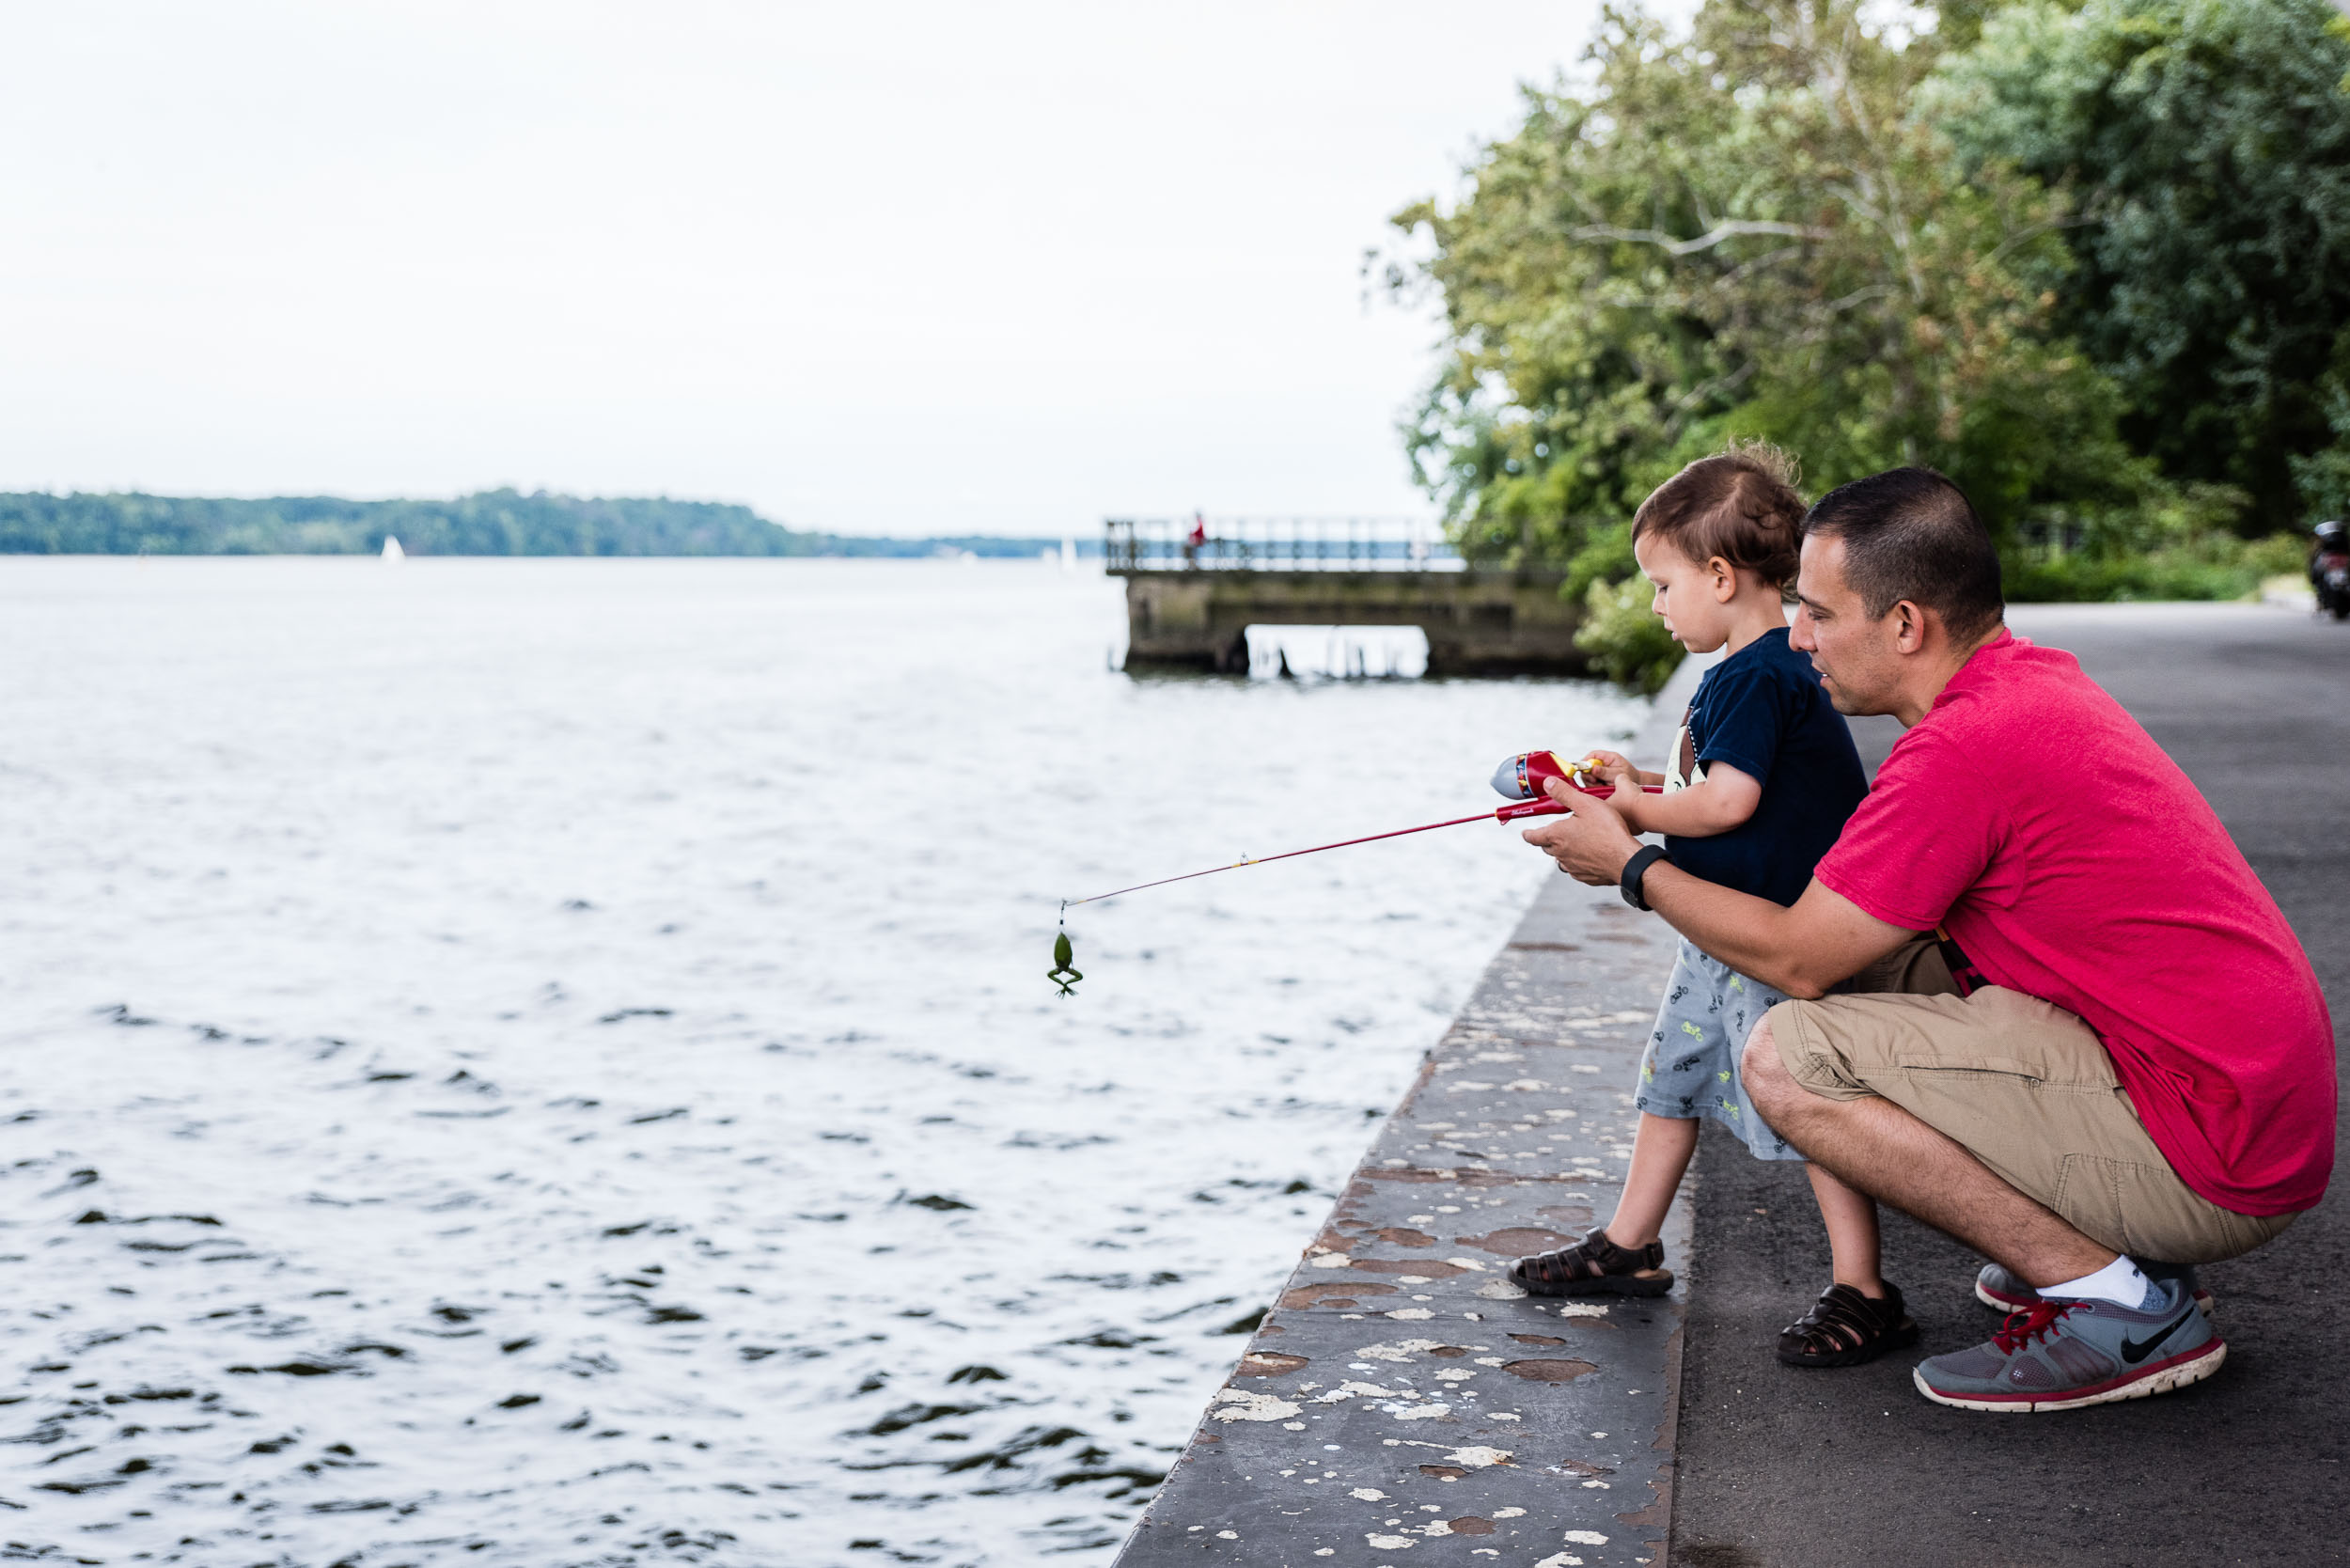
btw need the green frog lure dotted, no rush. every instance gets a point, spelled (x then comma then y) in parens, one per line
(1062, 973)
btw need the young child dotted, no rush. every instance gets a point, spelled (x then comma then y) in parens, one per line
(1761, 776)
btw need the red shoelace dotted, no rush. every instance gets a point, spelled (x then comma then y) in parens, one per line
(2026, 1323)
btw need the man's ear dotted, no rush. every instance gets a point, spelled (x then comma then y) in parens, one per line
(1909, 627)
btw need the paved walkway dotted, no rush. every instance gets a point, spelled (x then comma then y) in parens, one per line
(1782, 1468)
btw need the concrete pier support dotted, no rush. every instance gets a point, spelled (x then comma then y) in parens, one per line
(1477, 622)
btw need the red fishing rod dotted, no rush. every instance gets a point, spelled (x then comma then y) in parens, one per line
(1522, 779)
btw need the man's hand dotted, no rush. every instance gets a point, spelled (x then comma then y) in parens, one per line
(1591, 845)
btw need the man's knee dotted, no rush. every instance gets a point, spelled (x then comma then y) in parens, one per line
(1766, 1078)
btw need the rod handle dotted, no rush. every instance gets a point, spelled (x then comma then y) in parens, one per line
(1545, 807)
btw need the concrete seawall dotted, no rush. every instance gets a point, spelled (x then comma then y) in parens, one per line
(1402, 1403)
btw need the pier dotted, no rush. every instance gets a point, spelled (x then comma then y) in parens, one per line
(1194, 586)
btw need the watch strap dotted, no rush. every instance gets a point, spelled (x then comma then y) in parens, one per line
(1636, 867)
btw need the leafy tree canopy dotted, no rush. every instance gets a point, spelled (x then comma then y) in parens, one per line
(2201, 152)
(1766, 226)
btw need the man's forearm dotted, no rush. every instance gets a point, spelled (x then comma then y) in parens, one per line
(1801, 949)
(1752, 935)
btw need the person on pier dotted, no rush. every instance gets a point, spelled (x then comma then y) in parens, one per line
(1761, 780)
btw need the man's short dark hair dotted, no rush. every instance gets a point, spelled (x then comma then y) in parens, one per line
(1910, 533)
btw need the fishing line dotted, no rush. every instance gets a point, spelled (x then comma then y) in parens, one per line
(1521, 778)
(1068, 905)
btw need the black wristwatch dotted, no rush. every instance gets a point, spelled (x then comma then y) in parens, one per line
(1636, 867)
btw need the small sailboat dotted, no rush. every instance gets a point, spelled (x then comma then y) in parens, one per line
(393, 553)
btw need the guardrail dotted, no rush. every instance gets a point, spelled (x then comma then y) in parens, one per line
(1202, 543)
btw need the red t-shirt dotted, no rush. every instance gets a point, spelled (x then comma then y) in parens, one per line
(2074, 861)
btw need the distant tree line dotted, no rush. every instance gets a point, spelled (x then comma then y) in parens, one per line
(492, 523)
(2091, 260)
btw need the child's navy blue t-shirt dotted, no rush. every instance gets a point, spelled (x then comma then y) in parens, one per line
(1762, 712)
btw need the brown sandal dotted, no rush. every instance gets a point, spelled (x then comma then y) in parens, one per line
(1596, 1266)
(1845, 1328)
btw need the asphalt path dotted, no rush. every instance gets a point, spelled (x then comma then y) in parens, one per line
(1785, 1468)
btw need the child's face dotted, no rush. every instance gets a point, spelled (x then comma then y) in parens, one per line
(1692, 597)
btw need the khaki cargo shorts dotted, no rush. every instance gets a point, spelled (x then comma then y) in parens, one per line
(2025, 1088)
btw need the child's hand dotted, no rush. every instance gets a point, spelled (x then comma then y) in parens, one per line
(1611, 767)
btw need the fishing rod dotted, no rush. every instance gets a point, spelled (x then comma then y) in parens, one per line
(1522, 779)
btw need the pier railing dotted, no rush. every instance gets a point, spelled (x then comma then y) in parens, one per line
(1200, 543)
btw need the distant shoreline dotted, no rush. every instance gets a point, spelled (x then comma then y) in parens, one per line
(495, 522)
(945, 555)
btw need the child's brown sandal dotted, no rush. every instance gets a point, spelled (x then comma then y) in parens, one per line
(1596, 1266)
(1845, 1328)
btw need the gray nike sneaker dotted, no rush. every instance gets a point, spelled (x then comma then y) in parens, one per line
(2060, 1354)
(1995, 1287)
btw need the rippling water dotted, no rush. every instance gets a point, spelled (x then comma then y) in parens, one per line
(550, 1062)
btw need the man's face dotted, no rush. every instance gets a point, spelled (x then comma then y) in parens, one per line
(1855, 654)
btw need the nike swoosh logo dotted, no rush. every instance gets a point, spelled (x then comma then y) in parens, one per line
(2134, 1351)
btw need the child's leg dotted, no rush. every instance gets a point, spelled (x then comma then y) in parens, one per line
(1852, 1231)
(1660, 1157)
(1624, 1256)
(1859, 1317)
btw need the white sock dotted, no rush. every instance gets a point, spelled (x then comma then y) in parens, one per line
(2119, 1282)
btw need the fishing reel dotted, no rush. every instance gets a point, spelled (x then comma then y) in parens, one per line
(1522, 779)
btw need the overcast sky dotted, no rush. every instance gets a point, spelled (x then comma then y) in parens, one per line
(926, 268)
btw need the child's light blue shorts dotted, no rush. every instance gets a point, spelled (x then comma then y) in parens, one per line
(1691, 1066)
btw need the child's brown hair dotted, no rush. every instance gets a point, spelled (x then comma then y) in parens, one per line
(1739, 504)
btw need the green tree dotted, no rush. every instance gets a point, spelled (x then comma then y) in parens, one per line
(2202, 152)
(1747, 229)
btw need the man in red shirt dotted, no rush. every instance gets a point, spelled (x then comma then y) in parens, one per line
(2050, 1011)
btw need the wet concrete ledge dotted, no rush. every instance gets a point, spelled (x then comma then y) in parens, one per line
(1402, 1403)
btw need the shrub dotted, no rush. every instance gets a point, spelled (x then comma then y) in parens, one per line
(1626, 643)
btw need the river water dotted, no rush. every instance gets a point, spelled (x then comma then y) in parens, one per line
(550, 1062)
